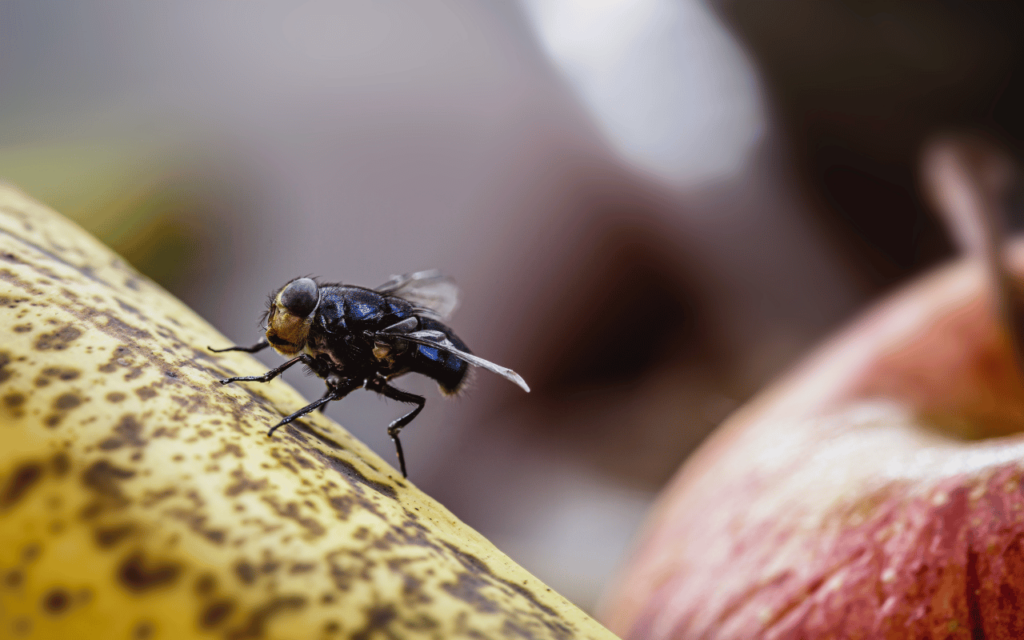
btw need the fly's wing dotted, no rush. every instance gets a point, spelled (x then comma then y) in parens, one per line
(431, 291)
(438, 340)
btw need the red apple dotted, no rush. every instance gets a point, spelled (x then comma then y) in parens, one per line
(877, 492)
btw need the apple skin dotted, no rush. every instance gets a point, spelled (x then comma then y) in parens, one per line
(876, 492)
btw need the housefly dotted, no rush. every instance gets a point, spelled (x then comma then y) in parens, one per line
(356, 337)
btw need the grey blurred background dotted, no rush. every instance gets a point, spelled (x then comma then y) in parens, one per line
(652, 206)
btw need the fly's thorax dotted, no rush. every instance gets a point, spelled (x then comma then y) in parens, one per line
(385, 351)
(292, 311)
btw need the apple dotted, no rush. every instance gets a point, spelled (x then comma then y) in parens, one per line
(876, 492)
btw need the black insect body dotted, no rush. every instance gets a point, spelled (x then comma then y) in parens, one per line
(354, 337)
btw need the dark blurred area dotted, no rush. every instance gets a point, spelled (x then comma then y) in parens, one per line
(653, 207)
(859, 87)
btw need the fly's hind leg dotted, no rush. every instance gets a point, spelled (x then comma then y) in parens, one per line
(396, 427)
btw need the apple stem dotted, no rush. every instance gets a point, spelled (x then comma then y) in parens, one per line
(970, 181)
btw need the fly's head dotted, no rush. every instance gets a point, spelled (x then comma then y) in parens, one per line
(291, 313)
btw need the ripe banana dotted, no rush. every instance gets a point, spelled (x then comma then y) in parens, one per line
(140, 499)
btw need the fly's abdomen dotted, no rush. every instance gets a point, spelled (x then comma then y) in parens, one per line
(445, 368)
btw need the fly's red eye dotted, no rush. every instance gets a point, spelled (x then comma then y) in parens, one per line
(299, 297)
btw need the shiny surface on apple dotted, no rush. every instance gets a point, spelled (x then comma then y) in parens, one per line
(878, 492)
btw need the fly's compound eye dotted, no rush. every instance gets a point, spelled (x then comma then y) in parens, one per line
(299, 297)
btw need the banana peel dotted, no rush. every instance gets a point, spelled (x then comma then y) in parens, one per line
(140, 499)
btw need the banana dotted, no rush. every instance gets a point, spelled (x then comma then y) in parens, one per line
(140, 499)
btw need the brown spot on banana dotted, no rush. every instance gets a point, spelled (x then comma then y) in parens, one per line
(57, 340)
(24, 477)
(215, 613)
(156, 507)
(138, 573)
(111, 536)
(5, 371)
(56, 601)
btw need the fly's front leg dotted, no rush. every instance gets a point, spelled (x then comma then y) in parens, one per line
(270, 375)
(334, 392)
(396, 427)
(334, 380)
(259, 346)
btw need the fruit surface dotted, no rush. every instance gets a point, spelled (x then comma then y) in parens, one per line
(878, 492)
(140, 499)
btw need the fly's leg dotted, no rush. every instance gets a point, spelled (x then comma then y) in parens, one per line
(335, 381)
(259, 346)
(309, 408)
(270, 375)
(338, 392)
(395, 427)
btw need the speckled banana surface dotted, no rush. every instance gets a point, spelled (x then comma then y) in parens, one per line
(140, 499)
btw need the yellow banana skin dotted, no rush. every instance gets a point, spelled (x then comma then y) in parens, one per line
(140, 499)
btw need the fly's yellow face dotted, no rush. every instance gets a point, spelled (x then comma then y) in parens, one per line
(292, 311)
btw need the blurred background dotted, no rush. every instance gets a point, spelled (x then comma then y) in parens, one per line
(653, 207)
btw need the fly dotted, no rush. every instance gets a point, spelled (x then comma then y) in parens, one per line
(354, 337)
